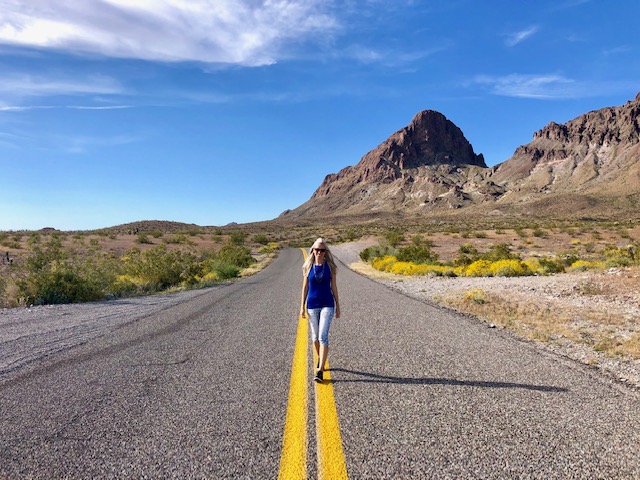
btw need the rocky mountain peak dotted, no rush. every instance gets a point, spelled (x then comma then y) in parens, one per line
(430, 139)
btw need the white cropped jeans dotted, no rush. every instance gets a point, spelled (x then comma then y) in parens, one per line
(319, 321)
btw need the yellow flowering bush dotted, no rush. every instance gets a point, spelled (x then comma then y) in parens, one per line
(479, 268)
(507, 268)
(583, 265)
(385, 263)
(534, 266)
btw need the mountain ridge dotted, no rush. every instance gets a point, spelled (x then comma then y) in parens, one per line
(429, 166)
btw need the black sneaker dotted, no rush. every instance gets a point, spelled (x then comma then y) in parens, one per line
(318, 377)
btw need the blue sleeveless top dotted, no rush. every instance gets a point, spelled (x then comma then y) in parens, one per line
(320, 294)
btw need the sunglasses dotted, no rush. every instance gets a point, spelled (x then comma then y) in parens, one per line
(320, 250)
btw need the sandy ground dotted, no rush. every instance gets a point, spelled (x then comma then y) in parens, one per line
(612, 293)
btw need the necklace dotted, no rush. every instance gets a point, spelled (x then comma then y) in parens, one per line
(315, 272)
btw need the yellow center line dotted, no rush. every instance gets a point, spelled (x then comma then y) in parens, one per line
(293, 459)
(331, 462)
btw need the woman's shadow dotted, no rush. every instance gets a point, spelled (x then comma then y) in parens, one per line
(367, 377)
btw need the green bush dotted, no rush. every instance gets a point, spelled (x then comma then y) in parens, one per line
(394, 237)
(550, 265)
(160, 268)
(143, 238)
(237, 238)
(617, 257)
(417, 254)
(226, 270)
(501, 251)
(261, 239)
(235, 255)
(370, 253)
(52, 275)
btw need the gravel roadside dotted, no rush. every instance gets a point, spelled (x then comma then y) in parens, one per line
(562, 289)
(28, 335)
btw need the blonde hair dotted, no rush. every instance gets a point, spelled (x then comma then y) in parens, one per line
(311, 258)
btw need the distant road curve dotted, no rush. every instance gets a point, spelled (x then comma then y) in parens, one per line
(194, 385)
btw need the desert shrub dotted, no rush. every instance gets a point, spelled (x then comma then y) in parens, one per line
(508, 268)
(261, 239)
(476, 295)
(468, 249)
(237, 238)
(467, 253)
(551, 265)
(402, 268)
(434, 270)
(159, 268)
(583, 265)
(350, 235)
(479, 268)
(617, 257)
(235, 255)
(391, 264)
(520, 232)
(384, 264)
(51, 275)
(178, 239)
(567, 259)
(226, 270)
(269, 248)
(420, 253)
(500, 251)
(534, 266)
(143, 238)
(394, 237)
(370, 253)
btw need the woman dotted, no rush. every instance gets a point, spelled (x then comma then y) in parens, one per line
(320, 299)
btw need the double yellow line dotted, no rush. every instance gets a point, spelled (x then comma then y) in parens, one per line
(293, 459)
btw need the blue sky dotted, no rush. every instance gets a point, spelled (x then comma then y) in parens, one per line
(220, 111)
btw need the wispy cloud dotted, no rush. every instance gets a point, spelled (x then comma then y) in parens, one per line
(527, 86)
(36, 86)
(515, 38)
(82, 144)
(550, 86)
(243, 32)
(10, 108)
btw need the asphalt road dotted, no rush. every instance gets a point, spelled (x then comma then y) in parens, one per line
(199, 389)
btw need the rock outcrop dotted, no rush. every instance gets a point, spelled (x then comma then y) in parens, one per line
(425, 164)
(596, 153)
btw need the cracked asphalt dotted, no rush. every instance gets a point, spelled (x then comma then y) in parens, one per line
(195, 385)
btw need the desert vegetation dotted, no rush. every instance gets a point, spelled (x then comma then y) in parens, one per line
(53, 267)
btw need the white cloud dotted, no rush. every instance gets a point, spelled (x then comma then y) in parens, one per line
(36, 86)
(15, 108)
(243, 32)
(551, 86)
(517, 37)
(528, 86)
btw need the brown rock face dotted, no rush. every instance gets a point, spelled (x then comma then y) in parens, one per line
(595, 153)
(414, 167)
